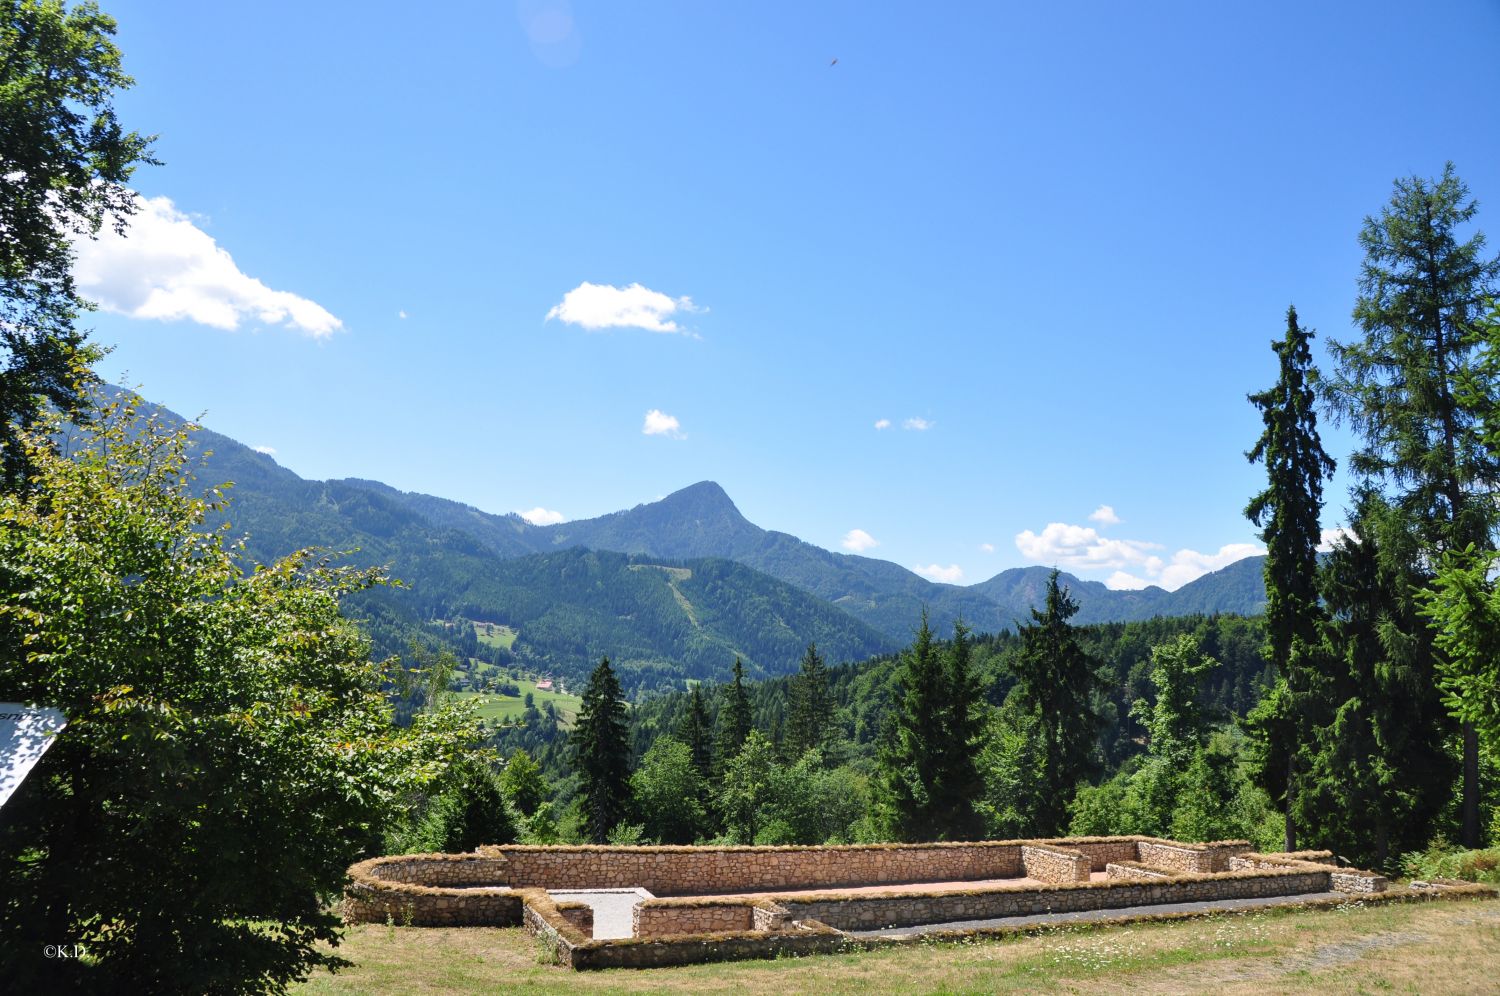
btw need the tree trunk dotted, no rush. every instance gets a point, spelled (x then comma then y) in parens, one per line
(1471, 787)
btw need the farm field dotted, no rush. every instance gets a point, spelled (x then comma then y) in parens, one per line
(497, 710)
(1449, 947)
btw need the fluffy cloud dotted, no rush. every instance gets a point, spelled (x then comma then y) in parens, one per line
(1083, 548)
(986, 548)
(952, 574)
(883, 423)
(401, 313)
(917, 424)
(540, 516)
(659, 423)
(1332, 537)
(267, 450)
(167, 268)
(1105, 516)
(601, 306)
(858, 541)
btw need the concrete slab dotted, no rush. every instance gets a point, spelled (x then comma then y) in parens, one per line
(612, 907)
(1085, 916)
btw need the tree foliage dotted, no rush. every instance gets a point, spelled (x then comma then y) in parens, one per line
(601, 754)
(229, 751)
(64, 162)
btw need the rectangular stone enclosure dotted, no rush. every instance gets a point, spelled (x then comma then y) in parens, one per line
(706, 903)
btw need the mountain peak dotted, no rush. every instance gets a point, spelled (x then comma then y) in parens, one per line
(703, 497)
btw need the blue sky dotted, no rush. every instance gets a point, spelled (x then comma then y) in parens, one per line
(1059, 236)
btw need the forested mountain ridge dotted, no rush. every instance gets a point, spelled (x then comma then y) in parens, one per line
(460, 562)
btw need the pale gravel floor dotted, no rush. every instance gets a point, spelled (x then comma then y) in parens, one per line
(612, 908)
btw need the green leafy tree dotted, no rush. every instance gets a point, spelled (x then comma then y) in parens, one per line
(601, 754)
(64, 163)
(736, 719)
(1175, 722)
(1288, 511)
(523, 783)
(1057, 682)
(1407, 387)
(230, 749)
(1011, 756)
(747, 786)
(667, 790)
(810, 716)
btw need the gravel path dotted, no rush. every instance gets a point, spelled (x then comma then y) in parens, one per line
(611, 907)
(1226, 905)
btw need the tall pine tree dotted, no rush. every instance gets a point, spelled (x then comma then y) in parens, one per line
(810, 716)
(1288, 511)
(1421, 289)
(1057, 683)
(928, 781)
(601, 754)
(697, 732)
(736, 719)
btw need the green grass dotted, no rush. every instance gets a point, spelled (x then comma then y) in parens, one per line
(493, 634)
(1450, 947)
(499, 710)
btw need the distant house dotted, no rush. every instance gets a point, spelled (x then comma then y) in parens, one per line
(545, 685)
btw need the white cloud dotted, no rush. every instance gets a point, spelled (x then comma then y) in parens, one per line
(540, 516)
(1104, 515)
(601, 306)
(267, 450)
(1189, 565)
(1083, 548)
(952, 574)
(883, 423)
(986, 548)
(1331, 537)
(917, 424)
(858, 541)
(401, 313)
(1120, 581)
(659, 423)
(167, 268)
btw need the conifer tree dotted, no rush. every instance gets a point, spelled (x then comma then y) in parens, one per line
(1056, 682)
(810, 717)
(1288, 510)
(735, 718)
(697, 733)
(601, 754)
(909, 761)
(960, 785)
(1421, 289)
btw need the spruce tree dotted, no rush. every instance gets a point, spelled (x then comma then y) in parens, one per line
(1056, 682)
(910, 758)
(1407, 387)
(735, 719)
(960, 785)
(601, 754)
(697, 732)
(810, 717)
(1288, 510)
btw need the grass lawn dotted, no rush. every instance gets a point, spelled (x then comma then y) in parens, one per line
(500, 709)
(1445, 947)
(494, 635)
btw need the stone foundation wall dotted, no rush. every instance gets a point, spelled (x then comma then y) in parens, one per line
(1199, 859)
(580, 915)
(1102, 850)
(651, 920)
(430, 890)
(1047, 863)
(669, 871)
(1135, 870)
(910, 909)
(1339, 879)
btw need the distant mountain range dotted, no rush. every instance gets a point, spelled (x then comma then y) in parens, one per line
(673, 589)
